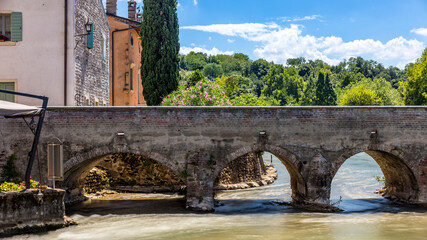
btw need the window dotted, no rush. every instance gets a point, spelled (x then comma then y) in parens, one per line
(5, 25)
(11, 27)
(131, 79)
(105, 48)
(7, 86)
(131, 39)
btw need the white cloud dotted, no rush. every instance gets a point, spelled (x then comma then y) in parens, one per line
(195, 2)
(213, 51)
(276, 43)
(298, 19)
(231, 40)
(244, 30)
(420, 31)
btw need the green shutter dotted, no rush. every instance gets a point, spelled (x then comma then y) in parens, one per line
(16, 26)
(7, 86)
(90, 38)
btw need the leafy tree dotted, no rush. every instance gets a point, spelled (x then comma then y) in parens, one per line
(203, 93)
(283, 84)
(259, 68)
(360, 95)
(160, 49)
(212, 70)
(325, 94)
(194, 61)
(415, 90)
(309, 95)
(194, 78)
(250, 99)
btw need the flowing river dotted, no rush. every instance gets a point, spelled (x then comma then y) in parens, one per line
(252, 213)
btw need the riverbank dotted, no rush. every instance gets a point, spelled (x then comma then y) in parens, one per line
(268, 178)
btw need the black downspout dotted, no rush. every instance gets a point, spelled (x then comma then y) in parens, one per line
(65, 51)
(32, 153)
(112, 60)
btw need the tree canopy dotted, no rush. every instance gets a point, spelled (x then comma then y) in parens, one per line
(160, 50)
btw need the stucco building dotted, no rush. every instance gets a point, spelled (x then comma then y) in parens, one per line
(44, 50)
(125, 56)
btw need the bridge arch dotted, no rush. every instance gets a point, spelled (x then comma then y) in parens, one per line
(78, 167)
(400, 181)
(289, 160)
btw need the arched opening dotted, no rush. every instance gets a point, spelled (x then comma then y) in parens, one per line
(122, 176)
(256, 181)
(365, 178)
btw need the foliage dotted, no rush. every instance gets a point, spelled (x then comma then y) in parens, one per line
(10, 186)
(212, 70)
(283, 84)
(160, 48)
(194, 61)
(415, 90)
(325, 94)
(370, 92)
(355, 81)
(9, 172)
(203, 93)
(235, 85)
(250, 99)
(360, 95)
(194, 78)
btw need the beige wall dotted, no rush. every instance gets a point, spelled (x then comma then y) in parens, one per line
(37, 62)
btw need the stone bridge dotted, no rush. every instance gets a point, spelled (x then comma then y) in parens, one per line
(198, 142)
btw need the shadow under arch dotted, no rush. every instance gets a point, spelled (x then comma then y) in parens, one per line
(78, 167)
(289, 160)
(400, 181)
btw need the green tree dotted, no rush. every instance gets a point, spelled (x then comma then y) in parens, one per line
(212, 70)
(194, 61)
(415, 90)
(250, 99)
(203, 93)
(160, 49)
(309, 95)
(360, 95)
(194, 78)
(325, 94)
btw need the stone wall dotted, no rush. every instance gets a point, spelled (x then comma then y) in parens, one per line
(248, 168)
(27, 209)
(91, 68)
(133, 173)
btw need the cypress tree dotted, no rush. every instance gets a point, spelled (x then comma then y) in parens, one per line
(160, 49)
(325, 94)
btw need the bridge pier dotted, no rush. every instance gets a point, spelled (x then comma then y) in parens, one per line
(318, 181)
(200, 182)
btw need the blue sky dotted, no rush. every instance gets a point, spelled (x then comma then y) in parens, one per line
(389, 31)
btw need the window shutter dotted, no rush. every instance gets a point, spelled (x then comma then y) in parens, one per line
(16, 26)
(90, 38)
(7, 86)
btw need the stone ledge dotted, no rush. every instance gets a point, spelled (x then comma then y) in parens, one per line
(31, 209)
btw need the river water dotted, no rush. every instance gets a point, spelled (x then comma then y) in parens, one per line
(252, 213)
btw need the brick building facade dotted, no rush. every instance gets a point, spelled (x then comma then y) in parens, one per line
(125, 56)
